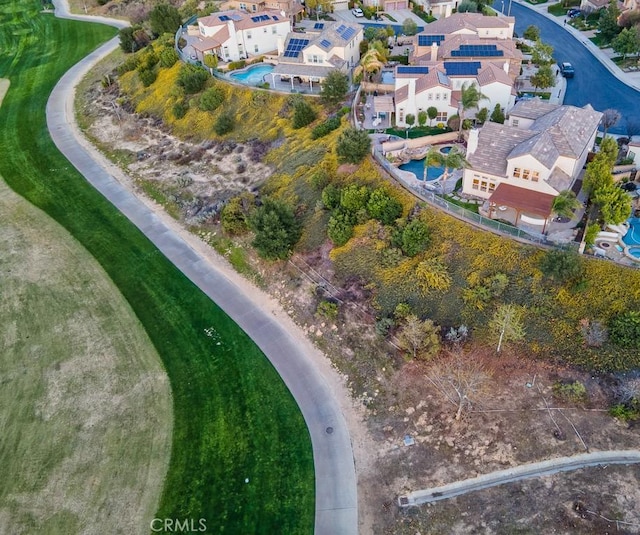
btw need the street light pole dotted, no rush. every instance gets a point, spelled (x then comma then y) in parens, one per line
(503, 7)
(509, 11)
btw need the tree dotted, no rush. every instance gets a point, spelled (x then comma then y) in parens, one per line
(543, 78)
(276, 229)
(432, 112)
(565, 203)
(340, 227)
(419, 338)
(383, 207)
(609, 118)
(164, 18)
(532, 33)
(192, 78)
(597, 175)
(624, 329)
(331, 197)
(541, 54)
(629, 19)
(168, 57)
(591, 234)
(224, 123)
(482, 115)
(353, 145)
(467, 6)
(460, 380)
(609, 150)
(608, 22)
(507, 324)
(372, 61)
(133, 38)
(235, 214)
(470, 96)
(317, 6)
(562, 266)
(415, 237)
(410, 119)
(409, 27)
(497, 115)
(335, 87)
(354, 198)
(627, 42)
(454, 159)
(303, 114)
(614, 204)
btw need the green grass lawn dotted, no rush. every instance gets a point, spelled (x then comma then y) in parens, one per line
(233, 416)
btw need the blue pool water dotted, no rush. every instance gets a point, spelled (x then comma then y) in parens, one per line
(417, 168)
(446, 150)
(388, 77)
(632, 237)
(252, 75)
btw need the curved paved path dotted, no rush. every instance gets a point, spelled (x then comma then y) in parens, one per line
(336, 493)
(525, 471)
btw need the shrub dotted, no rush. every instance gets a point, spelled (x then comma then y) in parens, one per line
(354, 198)
(325, 128)
(415, 237)
(335, 87)
(211, 98)
(276, 228)
(192, 78)
(353, 145)
(382, 207)
(168, 58)
(626, 411)
(340, 228)
(303, 114)
(591, 234)
(224, 123)
(327, 309)
(147, 77)
(497, 115)
(180, 109)
(574, 391)
(234, 65)
(562, 265)
(235, 215)
(331, 197)
(624, 329)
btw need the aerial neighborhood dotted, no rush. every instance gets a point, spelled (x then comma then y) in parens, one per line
(333, 266)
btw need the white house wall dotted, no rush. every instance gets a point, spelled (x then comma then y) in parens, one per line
(532, 164)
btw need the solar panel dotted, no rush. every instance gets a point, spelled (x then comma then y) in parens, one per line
(428, 40)
(318, 26)
(325, 43)
(340, 29)
(477, 50)
(348, 34)
(274, 17)
(461, 68)
(294, 47)
(224, 17)
(413, 70)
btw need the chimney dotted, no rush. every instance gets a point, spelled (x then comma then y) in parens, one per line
(434, 51)
(472, 141)
(506, 67)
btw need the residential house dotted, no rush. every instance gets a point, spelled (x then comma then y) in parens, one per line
(589, 6)
(475, 24)
(525, 163)
(387, 5)
(235, 35)
(309, 57)
(292, 9)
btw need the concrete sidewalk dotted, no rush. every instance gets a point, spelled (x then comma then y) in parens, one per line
(632, 79)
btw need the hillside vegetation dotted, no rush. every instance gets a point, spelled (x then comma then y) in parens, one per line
(461, 275)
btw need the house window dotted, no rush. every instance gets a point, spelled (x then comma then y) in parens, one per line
(226, 51)
(441, 117)
(437, 96)
(243, 7)
(517, 172)
(249, 35)
(255, 49)
(315, 59)
(429, 96)
(274, 30)
(254, 8)
(402, 115)
(526, 174)
(534, 176)
(514, 122)
(476, 183)
(265, 30)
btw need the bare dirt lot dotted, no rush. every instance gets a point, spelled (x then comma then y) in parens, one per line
(517, 419)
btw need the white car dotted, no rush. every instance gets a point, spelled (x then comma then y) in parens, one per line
(357, 12)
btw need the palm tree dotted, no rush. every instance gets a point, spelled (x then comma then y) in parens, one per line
(454, 159)
(565, 203)
(470, 96)
(372, 60)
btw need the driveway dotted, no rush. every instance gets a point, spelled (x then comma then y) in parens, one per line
(593, 83)
(400, 16)
(336, 492)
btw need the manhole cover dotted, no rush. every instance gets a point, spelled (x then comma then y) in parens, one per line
(329, 430)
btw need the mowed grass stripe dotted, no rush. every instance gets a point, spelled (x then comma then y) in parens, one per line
(233, 416)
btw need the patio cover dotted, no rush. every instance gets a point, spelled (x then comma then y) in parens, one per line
(383, 104)
(523, 200)
(292, 69)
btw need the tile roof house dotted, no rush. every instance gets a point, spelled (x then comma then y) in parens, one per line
(473, 24)
(292, 9)
(235, 35)
(312, 55)
(537, 154)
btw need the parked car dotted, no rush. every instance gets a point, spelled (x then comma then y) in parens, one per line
(567, 69)
(357, 12)
(573, 12)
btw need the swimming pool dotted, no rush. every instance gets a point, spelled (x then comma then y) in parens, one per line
(388, 77)
(632, 237)
(635, 251)
(417, 168)
(252, 75)
(446, 150)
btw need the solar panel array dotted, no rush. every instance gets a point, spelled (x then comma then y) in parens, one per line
(260, 18)
(413, 70)
(461, 68)
(428, 40)
(325, 43)
(224, 17)
(477, 51)
(274, 17)
(294, 47)
(318, 26)
(345, 32)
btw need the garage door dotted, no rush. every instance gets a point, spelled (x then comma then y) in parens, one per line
(395, 5)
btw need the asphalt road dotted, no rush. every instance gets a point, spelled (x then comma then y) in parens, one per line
(526, 471)
(593, 83)
(335, 478)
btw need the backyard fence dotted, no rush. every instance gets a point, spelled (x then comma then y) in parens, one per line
(467, 215)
